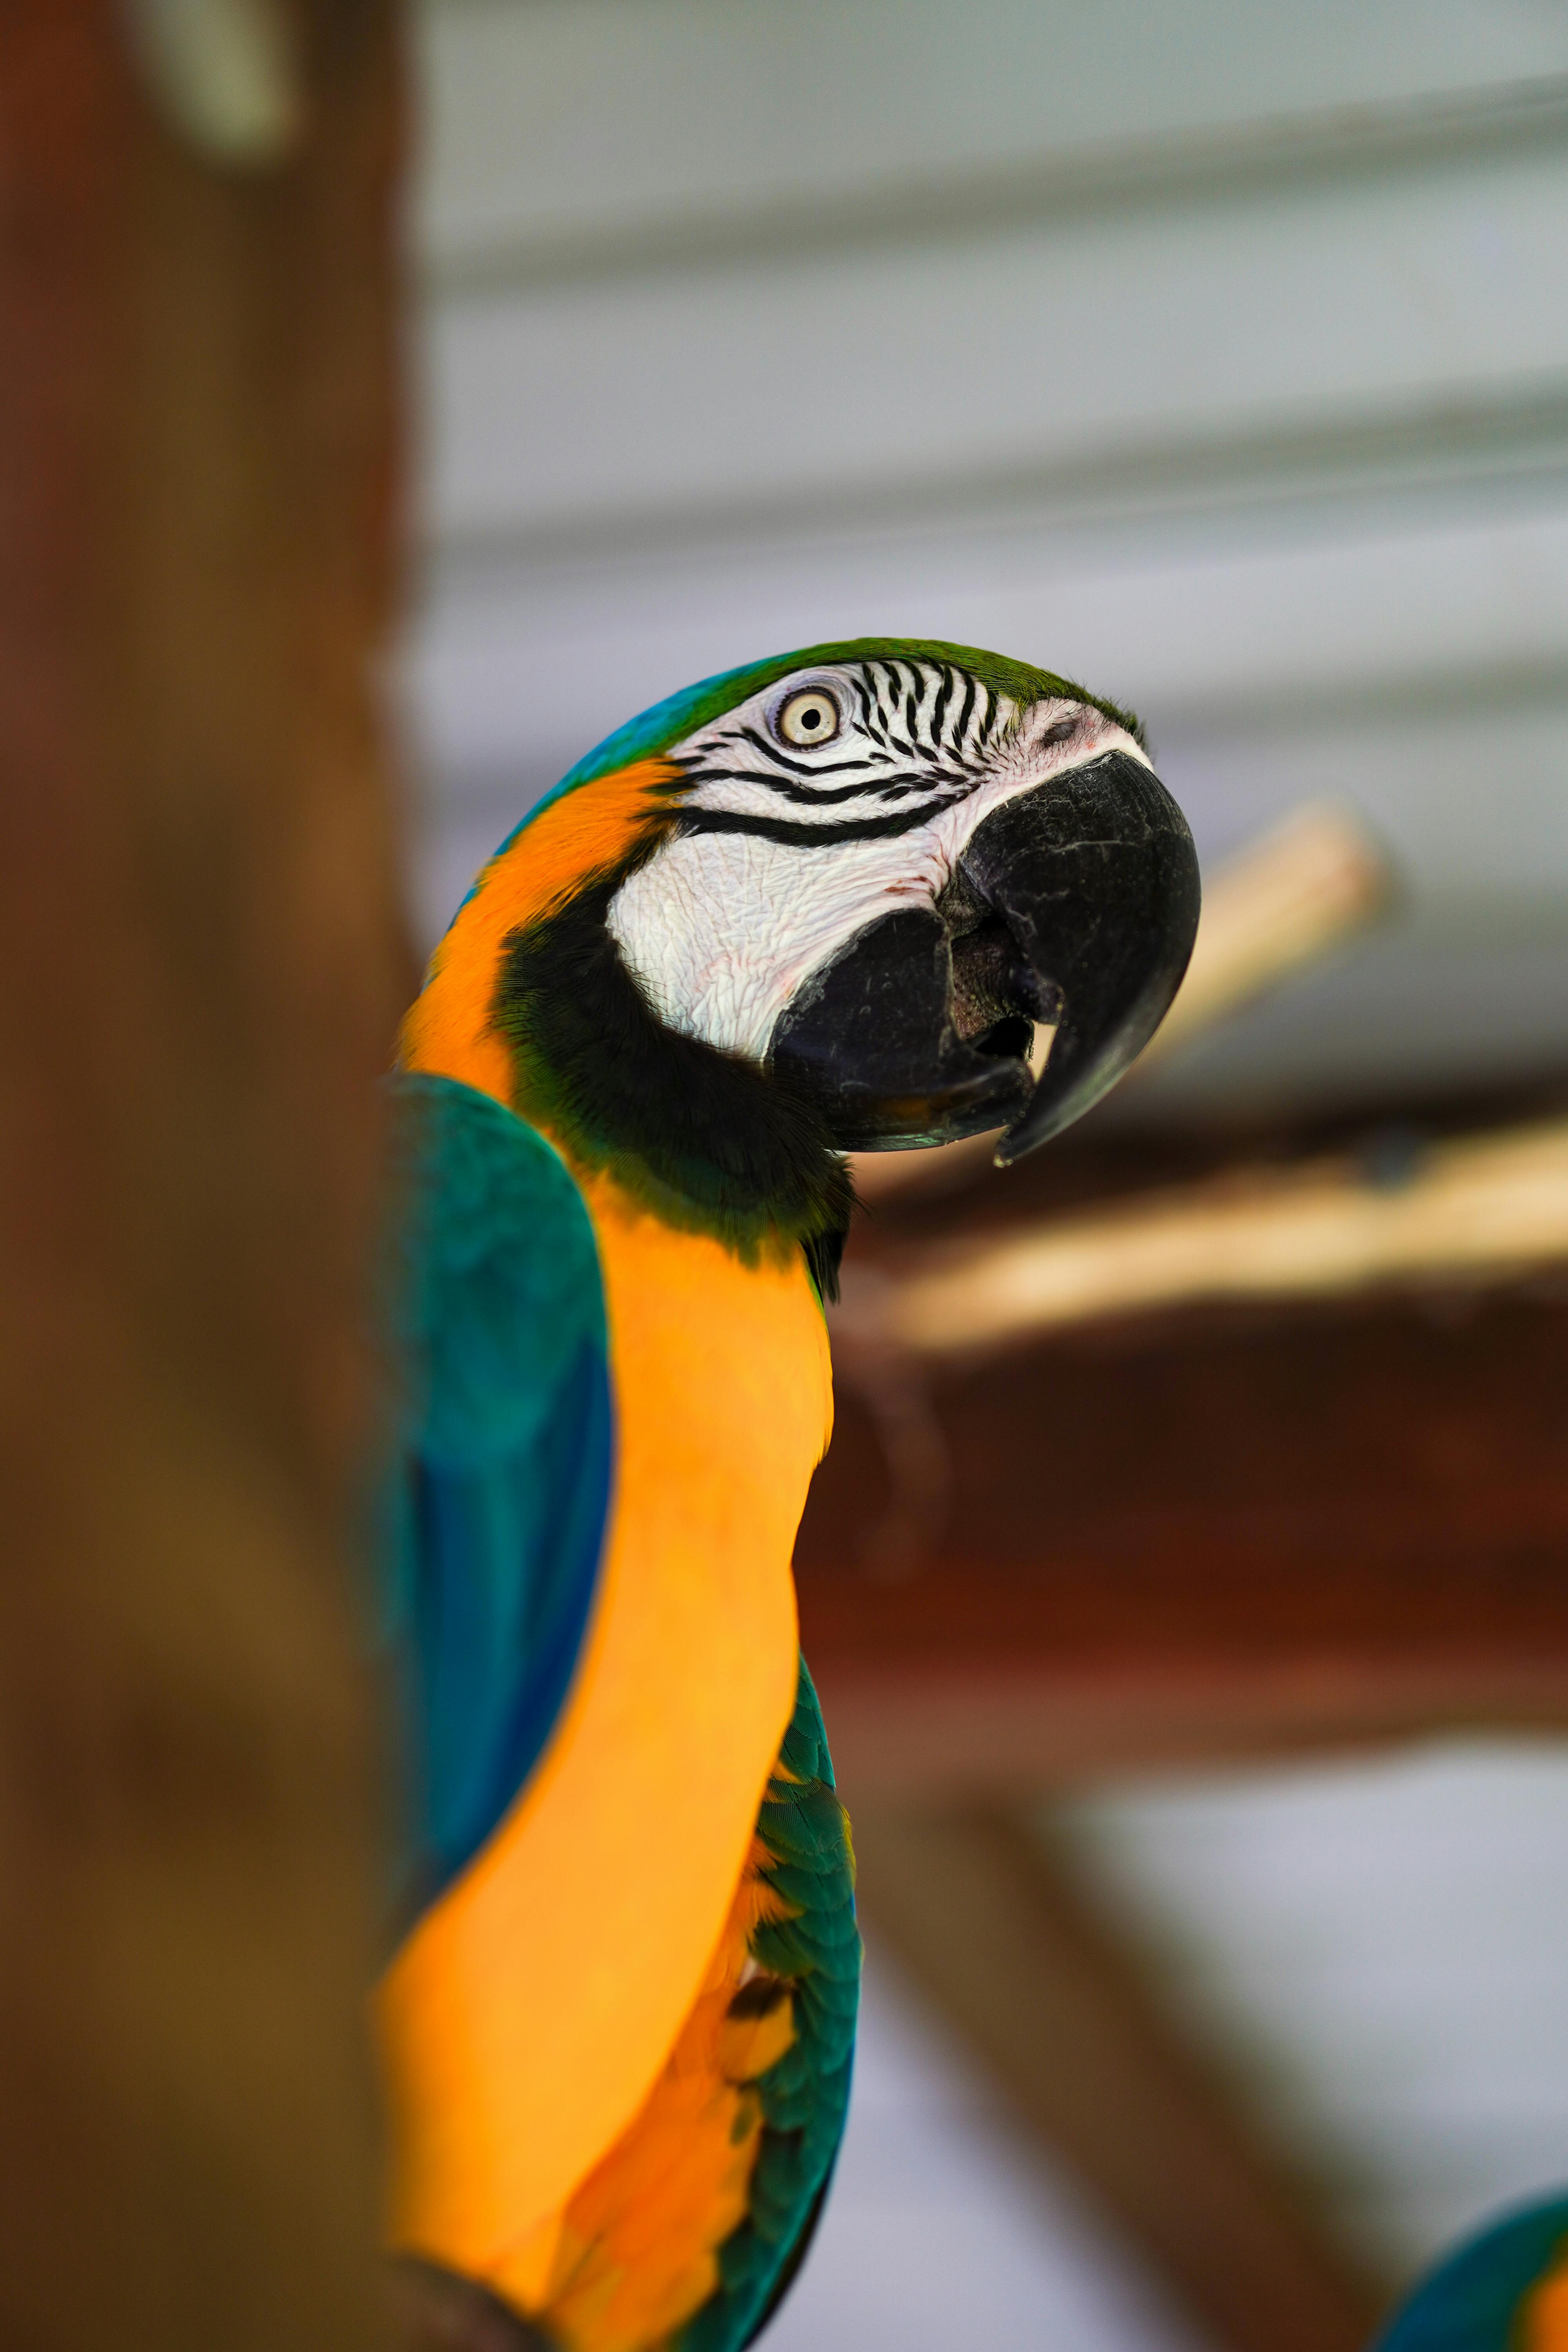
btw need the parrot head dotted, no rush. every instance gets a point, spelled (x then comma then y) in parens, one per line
(844, 892)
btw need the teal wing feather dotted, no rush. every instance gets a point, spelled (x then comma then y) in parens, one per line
(1472, 2301)
(805, 2097)
(493, 1516)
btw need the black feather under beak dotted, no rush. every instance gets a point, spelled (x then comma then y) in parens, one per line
(1074, 906)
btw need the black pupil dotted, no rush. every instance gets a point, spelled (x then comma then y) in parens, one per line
(810, 718)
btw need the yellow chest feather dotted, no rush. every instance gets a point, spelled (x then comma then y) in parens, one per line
(531, 2010)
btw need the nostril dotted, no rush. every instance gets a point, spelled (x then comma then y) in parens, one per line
(1009, 1039)
(993, 987)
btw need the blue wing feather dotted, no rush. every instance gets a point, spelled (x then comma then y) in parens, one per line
(495, 1514)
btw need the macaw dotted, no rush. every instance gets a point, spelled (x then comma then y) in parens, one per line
(1506, 2291)
(813, 906)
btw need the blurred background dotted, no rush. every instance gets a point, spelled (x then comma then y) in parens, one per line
(1196, 1657)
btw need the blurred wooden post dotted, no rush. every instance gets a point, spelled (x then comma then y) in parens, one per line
(199, 965)
(1060, 2017)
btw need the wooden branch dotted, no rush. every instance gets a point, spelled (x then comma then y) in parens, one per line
(997, 1939)
(1486, 1209)
(1223, 1534)
(200, 965)
(1271, 911)
(1274, 910)
(918, 1731)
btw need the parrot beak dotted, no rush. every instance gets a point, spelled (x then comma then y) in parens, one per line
(1074, 905)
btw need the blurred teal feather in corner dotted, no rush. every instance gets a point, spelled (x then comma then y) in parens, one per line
(1474, 2301)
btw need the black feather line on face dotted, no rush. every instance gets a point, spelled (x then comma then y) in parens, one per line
(709, 1142)
(814, 836)
(786, 789)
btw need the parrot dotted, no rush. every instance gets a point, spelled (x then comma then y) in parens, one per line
(818, 905)
(1505, 2291)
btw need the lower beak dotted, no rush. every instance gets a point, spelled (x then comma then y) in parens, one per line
(1075, 905)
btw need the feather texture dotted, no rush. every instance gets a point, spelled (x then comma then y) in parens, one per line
(708, 1142)
(654, 730)
(495, 1513)
(687, 2231)
(808, 1940)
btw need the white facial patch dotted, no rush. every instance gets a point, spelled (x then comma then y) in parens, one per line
(722, 928)
(788, 850)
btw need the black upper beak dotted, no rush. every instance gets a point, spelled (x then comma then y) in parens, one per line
(1074, 905)
(1096, 878)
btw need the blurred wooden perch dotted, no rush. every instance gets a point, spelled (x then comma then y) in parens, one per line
(1268, 913)
(1273, 911)
(1482, 1209)
(993, 1929)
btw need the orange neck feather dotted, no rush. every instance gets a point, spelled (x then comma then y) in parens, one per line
(450, 1028)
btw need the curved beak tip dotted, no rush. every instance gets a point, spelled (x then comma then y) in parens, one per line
(1096, 876)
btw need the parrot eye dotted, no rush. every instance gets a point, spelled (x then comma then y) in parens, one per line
(809, 718)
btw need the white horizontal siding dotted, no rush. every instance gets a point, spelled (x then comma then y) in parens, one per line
(900, 371)
(573, 114)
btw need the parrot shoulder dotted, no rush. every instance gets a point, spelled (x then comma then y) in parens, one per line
(499, 1490)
